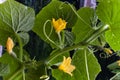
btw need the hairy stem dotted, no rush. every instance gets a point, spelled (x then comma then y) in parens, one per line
(85, 42)
(21, 53)
(20, 46)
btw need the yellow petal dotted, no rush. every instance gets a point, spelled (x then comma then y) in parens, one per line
(66, 66)
(59, 24)
(9, 45)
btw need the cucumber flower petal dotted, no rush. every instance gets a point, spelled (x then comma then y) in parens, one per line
(59, 25)
(66, 66)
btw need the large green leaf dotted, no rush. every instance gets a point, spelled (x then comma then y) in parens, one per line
(83, 26)
(108, 12)
(13, 63)
(55, 9)
(14, 18)
(83, 61)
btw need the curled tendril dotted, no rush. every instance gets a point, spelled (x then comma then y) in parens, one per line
(78, 15)
(61, 6)
(47, 36)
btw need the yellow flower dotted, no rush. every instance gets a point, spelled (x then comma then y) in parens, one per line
(59, 24)
(66, 66)
(9, 45)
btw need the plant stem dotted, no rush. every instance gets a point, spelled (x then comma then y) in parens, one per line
(96, 33)
(20, 46)
(20, 52)
(23, 72)
(86, 65)
(85, 42)
(60, 41)
(62, 51)
(44, 31)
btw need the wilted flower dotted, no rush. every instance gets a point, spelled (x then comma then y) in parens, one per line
(118, 62)
(108, 51)
(9, 45)
(59, 24)
(66, 66)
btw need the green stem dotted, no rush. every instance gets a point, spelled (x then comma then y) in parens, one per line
(63, 37)
(85, 42)
(44, 31)
(16, 74)
(86, 65)
(20, 52)
(23, 72)
(96, 33)
(20, 46)
(60, 41)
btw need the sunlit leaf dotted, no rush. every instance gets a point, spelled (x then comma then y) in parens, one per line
(108, 12)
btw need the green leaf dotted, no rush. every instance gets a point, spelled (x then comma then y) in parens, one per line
(69, 38)
(114, 67)
(14, 18)
(4, 33)
(24, 37)
(55, 9)
(83, 59)
(35, 74)
(83, 26)
(58, 58)
(13, 63)
(108, 13)
(116, 77)
(17, 16)
(80, 73)
(4, 69)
